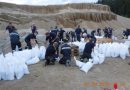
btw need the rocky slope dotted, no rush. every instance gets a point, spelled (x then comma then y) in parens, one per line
(68, 16)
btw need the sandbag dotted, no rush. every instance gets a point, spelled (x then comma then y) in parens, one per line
(123, 51)
(86, 67)
(79, 63)
(18, 71)
(32, 61)
(35, 52)
(101, 58)
(129, 37)
(42, 52)
(95, 60)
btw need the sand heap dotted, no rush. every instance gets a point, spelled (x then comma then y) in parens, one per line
(68, 16)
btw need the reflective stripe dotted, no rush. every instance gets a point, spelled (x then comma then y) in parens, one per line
(14, 34)
(66, 48)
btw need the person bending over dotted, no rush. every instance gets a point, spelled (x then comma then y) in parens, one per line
(66, 52)
(30, 39)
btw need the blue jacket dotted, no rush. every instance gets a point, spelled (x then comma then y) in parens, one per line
(66, 50)
(14, 37)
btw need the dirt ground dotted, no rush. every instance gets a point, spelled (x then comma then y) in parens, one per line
(59, 77)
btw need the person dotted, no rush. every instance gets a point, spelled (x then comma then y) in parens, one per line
(78, 32)
(50, 36)
(15, 40)
(110, 32)
(34, 28)
(51, 54)
(98, 32)
(55, 30)
(73, 36)
(66, 52)
(61, 34)
(93, 38)
(29, 39)
(87, 50)
(10, 28)
(84, 30)
(93, 33)
(67, 36)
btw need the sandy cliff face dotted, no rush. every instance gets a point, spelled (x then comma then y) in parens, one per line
(69, 15)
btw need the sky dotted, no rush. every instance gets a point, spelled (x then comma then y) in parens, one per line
(47, 2)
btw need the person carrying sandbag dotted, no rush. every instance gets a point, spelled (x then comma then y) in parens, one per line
(31, 40)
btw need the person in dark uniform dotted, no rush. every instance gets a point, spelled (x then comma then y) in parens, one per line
(10, 28)
(61, 34)
(66, 52)
(73, 36)
(50, 37)
(84, 30)
(51, 54)
(78, 32)
(34, 28)
(93, 33)
(98, 32)
(55, 30)
(88, 50)
(15, 41)
(31, 36)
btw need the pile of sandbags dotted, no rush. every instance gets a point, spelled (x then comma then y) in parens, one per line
(108, 49)
(113, 50)
(32, 56)
(97, 58)
(12, 68)
(15, 65)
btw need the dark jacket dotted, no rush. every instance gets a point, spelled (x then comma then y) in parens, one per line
(78, 31)
(66, 50)
(10, 28)
(88, 47)
(51, 37)
(29, 37)
(34, 29)
(14, 37)
(61, 32)
(50, 51)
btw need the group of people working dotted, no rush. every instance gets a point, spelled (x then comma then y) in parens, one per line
(15, 37)
(58, 42)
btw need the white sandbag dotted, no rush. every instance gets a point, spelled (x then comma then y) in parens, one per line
(10, 72)
(129, 37)
(19, 71)
(86, 67)
(2, 70)
(108, 50)
(25, 69)
(101, 58)
(24, 55)
(32, 61)
(79, 63)
(95, 60)
(123, 51)
(115, 49)
(127, 43)
(35, 52)
(42, 52)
